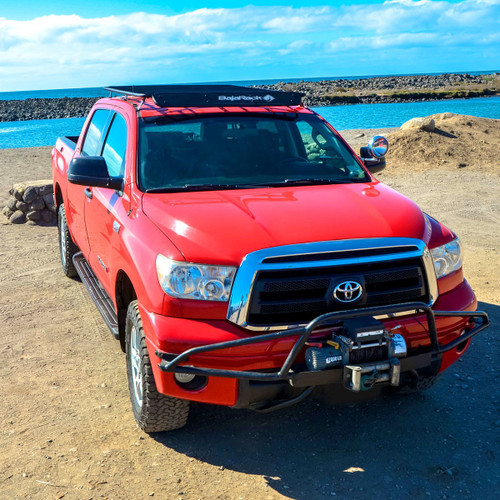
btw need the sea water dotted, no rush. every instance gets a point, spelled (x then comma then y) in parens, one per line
(32, 133)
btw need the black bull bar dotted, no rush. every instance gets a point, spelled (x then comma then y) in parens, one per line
(171, 362)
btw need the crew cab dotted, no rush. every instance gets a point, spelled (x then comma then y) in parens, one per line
(244, 255)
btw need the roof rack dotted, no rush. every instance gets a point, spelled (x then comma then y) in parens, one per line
(209, 95)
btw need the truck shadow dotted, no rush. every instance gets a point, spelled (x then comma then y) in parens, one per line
(398, 446)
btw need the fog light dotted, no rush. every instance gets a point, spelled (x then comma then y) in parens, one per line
(184, 378)
(190, 382)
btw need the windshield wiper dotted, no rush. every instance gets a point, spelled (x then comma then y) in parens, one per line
(285, 182)
(311, 182)
(200, 187)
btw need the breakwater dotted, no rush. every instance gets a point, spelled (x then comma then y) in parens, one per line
(390, 89)
(45, 109)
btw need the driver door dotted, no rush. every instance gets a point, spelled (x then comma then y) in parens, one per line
(106, 210)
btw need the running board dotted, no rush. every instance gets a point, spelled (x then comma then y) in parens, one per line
(99, 296)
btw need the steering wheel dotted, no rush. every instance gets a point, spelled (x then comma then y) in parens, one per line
(293, 159)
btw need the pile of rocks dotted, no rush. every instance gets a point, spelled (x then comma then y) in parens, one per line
(31, 202)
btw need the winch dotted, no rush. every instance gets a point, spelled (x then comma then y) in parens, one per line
(367, 351)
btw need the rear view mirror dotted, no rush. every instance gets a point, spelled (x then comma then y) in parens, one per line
(92, 171)
(373, 155)
(378, 146)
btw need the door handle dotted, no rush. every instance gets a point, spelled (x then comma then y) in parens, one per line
(88, 193)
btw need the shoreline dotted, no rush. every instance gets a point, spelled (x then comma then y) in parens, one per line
(355, 137)
(389, 89)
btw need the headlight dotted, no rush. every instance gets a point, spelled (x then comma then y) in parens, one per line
(194, 281)
(447, 258)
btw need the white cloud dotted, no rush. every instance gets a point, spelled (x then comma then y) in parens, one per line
(250, 42)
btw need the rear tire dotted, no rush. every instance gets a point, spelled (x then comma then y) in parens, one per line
(153, 411)
(67, 246)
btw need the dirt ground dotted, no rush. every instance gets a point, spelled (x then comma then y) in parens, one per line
(67, 430)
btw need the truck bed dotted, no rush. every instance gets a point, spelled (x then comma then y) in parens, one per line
(65, 147)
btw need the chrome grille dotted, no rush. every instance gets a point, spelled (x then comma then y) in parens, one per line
(286, 286)
(297, 296)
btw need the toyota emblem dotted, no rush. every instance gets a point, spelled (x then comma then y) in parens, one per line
(347, 291)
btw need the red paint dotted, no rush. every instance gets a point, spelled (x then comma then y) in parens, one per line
(221, 227)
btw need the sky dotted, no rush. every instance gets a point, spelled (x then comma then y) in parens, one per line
(61, 44)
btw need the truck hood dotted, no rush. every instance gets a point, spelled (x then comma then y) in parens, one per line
(221, 227)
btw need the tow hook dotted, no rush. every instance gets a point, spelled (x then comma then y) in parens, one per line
(369, 380)
(365, 377)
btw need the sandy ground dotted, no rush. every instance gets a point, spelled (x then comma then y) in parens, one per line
(67, 430)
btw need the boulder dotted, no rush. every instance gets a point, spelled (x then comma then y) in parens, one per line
(47, 217)
(7, 212)
(20, 205)
(38, 204)
(49, 202)
(33, 215)
(18, 192)
(18, 217)
(11, 204)
(45, 189)
(421, 123)
(30, 194)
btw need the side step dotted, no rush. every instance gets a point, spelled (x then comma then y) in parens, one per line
(99, 296)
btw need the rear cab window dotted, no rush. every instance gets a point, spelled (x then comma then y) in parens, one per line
(93, 136)
(115, 146)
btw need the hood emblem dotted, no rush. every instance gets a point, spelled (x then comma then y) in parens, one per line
(347, 291)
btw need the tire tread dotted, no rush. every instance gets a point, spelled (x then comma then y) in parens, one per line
(71, 249)
(158, 412)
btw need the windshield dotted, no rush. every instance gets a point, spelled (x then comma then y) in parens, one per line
(242, 151)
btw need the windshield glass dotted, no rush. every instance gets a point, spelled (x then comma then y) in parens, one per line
(240, 151)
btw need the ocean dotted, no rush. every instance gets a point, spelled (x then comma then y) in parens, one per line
(353, 116)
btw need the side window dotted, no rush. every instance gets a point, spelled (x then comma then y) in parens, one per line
(94, 132)
(323, 147)
(315, 144)
(115, 146)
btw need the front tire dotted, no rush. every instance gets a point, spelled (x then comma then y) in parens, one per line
(67, 246)
(153, 411)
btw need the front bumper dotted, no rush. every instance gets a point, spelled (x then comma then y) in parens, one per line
(428, 357)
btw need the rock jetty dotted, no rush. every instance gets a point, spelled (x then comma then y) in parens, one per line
(394, 89)
(321, 93)
(45, 109)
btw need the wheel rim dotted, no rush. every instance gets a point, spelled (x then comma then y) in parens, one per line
(135, 363)
(62, 241)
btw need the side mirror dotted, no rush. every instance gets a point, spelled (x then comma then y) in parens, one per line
(92, 171)
(373, 156)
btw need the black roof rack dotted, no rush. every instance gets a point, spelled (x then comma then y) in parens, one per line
(209, 95)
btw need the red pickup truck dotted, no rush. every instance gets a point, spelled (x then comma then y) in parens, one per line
(245, 256)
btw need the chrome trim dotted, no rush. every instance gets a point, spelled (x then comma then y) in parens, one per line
(373, 149)
(253, 262)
